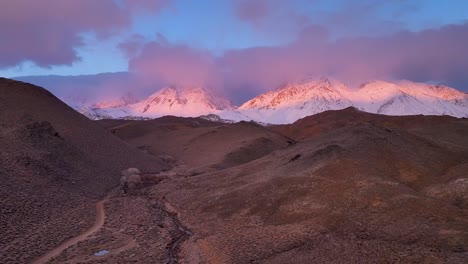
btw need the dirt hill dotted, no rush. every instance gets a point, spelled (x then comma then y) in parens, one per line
(359, 193)
(199, 143)
(55, 164)
(437, 128)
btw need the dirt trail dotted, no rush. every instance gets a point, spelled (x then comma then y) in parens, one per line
(130, 243)
(99, 222)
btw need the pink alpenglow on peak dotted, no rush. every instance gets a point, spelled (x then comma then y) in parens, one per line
(182, 101)
(177, 101)
(296, 100)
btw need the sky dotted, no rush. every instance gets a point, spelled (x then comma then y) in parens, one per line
(92, 50)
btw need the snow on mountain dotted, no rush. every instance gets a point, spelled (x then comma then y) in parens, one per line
(104, 113)
(293, 101)
(409, 98)
(118, 102)
(182, 102)
(186, 102)
(297, 100)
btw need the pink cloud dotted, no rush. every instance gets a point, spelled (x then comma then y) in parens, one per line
(349, 18)
(47, 31)
(150, 5)
(132, 46)
(430, 55)
(175, 65)
(437, 54)
(273, 19)
(252, 10)
(90, 89)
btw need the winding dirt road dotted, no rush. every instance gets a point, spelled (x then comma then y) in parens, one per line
(99, 222)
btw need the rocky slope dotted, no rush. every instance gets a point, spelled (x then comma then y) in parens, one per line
(55, 164)
(348, 186)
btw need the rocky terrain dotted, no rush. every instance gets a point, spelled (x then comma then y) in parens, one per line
(197, 142)
(341, 186)
(55, 165)
(348, 187)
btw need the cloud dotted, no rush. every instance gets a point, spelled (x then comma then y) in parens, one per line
(252, 10)
(430, 55)
(341, 17)
(132, 46)
(436, 54)
(90, 89)
(276, 20)
(175, 65)
(151, 5)
(47, 32)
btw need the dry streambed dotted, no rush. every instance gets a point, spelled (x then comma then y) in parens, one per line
(129, 227)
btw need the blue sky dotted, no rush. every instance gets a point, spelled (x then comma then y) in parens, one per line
(241, 47)
(214, 26)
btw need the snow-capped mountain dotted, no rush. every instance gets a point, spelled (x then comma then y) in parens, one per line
(97, 109)
(409, 98)
(186, 102)
(293, 101)
(182, 102)
(117, 102)
(296, 100)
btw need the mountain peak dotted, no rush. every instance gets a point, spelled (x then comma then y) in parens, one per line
(298, 92)
(121, 101)
(179, 99)
(187, 101)
(298, 99)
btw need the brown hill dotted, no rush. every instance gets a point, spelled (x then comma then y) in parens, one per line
(359, 193)
(439, 128)
(198, 142)
(55, 164)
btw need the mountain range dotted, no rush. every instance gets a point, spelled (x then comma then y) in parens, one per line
(293, 101)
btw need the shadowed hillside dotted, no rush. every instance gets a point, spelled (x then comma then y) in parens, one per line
(359, 193)
(55, 164)
(438, 128)
(198, 142)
